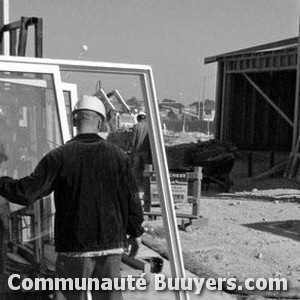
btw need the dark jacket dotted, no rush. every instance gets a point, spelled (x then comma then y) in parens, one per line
(140, 139)
(94, 192)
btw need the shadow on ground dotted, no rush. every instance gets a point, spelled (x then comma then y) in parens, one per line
(289, 228)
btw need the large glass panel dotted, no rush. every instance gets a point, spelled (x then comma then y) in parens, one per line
(135, 84)
(67, 97)
(28, 120)
(29, 128)
(70, 96)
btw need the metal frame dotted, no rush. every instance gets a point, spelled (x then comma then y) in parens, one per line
(62, 118)
(117, 94)
(144, 72)
(104, 96)
(72, 89)
(43, 69)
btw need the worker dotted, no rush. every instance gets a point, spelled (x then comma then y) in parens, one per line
(96, 201)
(141, 150)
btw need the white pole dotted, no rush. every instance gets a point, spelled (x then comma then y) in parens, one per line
(203, 96)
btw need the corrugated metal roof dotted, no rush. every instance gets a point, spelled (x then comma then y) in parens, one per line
(274, 46)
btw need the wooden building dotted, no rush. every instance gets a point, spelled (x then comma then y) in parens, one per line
(256, 107)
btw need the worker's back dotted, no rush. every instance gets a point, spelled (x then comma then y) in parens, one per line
(92, 194)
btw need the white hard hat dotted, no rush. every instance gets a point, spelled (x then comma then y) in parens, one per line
(141, 115)
(91, 103)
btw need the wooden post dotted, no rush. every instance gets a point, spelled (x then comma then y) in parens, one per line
(195, 179)
(272, 159)
(222, 117)
(197, 191)
(250, 164)
(12, 42)
(22, 37)
(219, 90)
(297, 96)
(38, 37)
(252, 117)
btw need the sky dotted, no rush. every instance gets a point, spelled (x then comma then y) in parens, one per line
(173, 36)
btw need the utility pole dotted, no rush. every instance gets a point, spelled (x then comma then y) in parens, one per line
(203, 95)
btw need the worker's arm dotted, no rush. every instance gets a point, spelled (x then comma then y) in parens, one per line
(26, 190)
(135, 212)
(136, 218)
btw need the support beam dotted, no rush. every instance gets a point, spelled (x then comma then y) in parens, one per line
(38, 26)
(297, 95)
(12, 42)
(219, 90)
(222, 101)
(284, 116)
(22, 37)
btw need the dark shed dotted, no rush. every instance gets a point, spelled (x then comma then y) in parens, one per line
(255, 96)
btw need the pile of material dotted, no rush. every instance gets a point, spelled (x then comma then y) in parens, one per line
(123, 139)
(214, 156)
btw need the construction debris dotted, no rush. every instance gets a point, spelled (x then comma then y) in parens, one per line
(214, 156)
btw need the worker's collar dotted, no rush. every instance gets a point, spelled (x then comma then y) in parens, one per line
(88, 137)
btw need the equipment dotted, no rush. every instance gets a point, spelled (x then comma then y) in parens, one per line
(90, 103)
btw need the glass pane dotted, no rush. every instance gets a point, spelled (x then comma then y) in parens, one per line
(122, 96)
(68, 104)
(28, 121)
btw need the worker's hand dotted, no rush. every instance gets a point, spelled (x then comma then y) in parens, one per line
(134, 245)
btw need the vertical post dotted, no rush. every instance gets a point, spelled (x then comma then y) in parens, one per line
(197, 191)
(38, 37)
(219, 88)
(272, 159)
(223, 97)
(296, 109)
(22, 37)
(250, 160)
(12, 42)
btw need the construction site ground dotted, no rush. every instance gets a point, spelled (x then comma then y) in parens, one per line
(253, 231)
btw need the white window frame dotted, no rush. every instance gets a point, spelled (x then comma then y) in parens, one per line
(53, 70)
(72, 89)
(144, 72)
